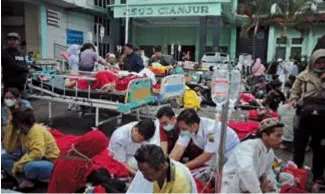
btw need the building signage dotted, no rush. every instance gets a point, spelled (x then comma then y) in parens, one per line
(75, 37)
(186, 2)
(168, 10)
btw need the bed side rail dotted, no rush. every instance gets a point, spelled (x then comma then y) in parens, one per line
(139, 93)
(172, 86)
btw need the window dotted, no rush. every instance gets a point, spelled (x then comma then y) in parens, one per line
(281, 53)
(281, 40)
(103, 21)
(103, 49)
(295, 51)
(296, 40)
(123, 1)
(101, 3)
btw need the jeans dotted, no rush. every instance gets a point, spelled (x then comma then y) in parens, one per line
(34, 170)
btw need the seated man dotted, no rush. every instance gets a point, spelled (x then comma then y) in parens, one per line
(205, 133)
(127, 139)
(158, 174)
(31, 149)
(259, 90)
(249, 168)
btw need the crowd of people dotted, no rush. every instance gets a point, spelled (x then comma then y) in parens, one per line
(172, 153)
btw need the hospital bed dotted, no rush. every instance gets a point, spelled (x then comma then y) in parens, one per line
(172, 88)
(137, 95)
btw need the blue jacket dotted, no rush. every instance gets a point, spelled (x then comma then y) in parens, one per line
(133, 63)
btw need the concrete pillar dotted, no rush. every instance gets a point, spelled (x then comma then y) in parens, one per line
(216, 33)
(233, 42)
(233, 37)
(43, 32)
(130, 29)
(310, 45)
(202, 36)
(271, 45)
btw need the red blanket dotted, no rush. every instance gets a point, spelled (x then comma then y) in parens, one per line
(103, 160)
(244, 128)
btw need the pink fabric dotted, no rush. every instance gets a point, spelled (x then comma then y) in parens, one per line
(258, 68)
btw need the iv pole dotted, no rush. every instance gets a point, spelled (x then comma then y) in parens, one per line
(220, 158)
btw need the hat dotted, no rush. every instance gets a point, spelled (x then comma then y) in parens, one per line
(13, 35)
(279, 60)
(111, 56)
(269, 123)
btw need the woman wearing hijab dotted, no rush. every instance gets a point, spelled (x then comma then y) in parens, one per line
(308, 93)
(73, 60)
(258, 70)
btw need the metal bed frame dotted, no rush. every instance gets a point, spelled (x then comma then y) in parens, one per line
(138, 95)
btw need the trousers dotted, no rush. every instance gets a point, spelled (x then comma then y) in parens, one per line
(35, 170)
(310, 126)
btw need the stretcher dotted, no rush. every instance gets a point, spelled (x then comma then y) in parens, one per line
(52, 88)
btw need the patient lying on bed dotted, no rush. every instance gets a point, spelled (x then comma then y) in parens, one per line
(104, 81)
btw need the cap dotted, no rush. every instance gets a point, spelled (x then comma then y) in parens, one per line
(279, 60)
(111, 56)
(13, 35)
(269, 123)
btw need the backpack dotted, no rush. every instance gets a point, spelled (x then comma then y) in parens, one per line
(191, 99)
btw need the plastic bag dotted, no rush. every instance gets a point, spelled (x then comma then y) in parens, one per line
(191, 99)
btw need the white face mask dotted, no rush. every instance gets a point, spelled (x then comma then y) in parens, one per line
(168, 127)
(10, 102)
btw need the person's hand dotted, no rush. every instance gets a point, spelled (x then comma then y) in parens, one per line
(322, 77)
(14, 171)
(293, 103)
(9, 114)
(31, 70)
(265, 184)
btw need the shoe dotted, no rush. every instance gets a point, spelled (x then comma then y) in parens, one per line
(321, 183)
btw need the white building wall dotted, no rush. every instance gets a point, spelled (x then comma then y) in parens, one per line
(32, 28)
(68, 20)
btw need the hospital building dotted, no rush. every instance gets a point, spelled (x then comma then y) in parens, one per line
(199, 26)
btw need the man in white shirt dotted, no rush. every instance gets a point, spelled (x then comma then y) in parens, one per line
(205, 134)
(249, 168)
(127, 139)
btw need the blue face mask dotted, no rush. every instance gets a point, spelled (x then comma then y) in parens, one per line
(186, 133)
(168, 127)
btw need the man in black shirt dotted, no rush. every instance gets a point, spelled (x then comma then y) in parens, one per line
(14, 67)
(132, 62)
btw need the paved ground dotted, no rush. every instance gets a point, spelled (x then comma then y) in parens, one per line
(72, 123)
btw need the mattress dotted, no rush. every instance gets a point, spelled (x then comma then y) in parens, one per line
(58, 84)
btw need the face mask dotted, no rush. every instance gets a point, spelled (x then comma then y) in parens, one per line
(10, 102)
(318, 70)
(168, 127)
(186, 133)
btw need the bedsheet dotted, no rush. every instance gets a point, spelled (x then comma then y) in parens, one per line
(244, 128)
(103, 160)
